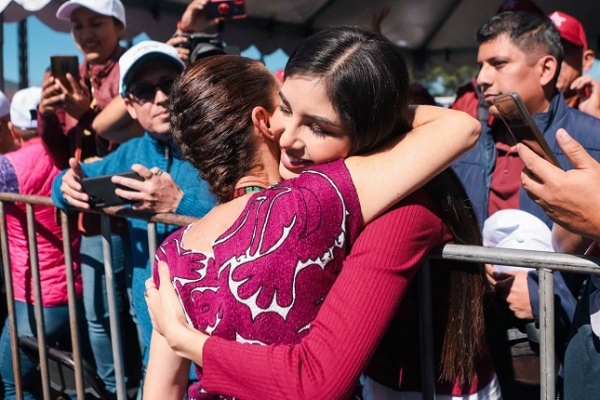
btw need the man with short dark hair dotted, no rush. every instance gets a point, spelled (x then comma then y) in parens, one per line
(522, 52)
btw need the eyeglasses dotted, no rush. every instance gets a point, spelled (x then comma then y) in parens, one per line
(146, 92)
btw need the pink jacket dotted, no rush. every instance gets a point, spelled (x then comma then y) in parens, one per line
(35, 172)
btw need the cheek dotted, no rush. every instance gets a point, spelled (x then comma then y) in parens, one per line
(277, 126)
(76, 38)
(109, 37)
(330, 149)
(276, 122)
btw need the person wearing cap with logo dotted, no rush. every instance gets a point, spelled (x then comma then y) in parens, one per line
(171, 184)
(30, 170)
(581, 92)
(65, 126)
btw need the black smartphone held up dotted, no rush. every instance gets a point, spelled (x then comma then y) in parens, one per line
(522, 126)
(102, 190)
(225, 9)
(61, 64)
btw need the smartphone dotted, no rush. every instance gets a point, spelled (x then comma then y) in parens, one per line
(225, 9)
(61, 64)
(102, 190)
(521, 125)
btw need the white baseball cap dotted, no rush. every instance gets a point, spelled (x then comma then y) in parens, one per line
(4, 105)
(516, 229)
(148, 50)
(23, 107)
(110, 8)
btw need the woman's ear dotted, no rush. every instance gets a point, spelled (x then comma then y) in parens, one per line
(261, 120)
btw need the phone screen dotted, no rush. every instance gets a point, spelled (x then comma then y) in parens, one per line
(225, 9)
(60, 65)
(521, 125)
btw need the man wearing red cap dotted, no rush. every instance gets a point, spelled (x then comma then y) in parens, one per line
(581, 92)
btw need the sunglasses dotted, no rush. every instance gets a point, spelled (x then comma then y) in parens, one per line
(146, 92)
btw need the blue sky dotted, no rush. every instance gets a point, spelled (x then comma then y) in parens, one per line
(43, 42)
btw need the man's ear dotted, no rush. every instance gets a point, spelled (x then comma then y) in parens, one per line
(261, 119)
(129, 106)
(549, 67)
(588, 59)
(14, 132)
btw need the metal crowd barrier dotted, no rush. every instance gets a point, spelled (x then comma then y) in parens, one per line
(544, 262)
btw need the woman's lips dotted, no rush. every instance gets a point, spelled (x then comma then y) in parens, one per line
(293, 163)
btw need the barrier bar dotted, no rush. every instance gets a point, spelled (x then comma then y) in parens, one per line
(72, 302)
(10, 302)
(519, 258)
(152, 241)
(426, 332)
(547, 349)
(38, 306)
(113, 308)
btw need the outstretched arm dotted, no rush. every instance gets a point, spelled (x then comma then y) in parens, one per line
(439, 137)
(114, 122)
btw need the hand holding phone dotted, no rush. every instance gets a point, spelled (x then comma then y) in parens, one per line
(60, 65)
(521, 125)
(225, 9)
(101, 190)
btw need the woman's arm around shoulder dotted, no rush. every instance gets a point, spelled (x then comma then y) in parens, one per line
(438, 138)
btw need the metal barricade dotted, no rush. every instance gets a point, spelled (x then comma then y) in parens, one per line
(544, 262)
(30, 202)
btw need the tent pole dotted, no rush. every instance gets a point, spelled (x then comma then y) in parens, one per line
(23, 70)
(2, 52)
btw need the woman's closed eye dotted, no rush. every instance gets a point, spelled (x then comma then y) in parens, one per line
(284, 109)
(318, 130)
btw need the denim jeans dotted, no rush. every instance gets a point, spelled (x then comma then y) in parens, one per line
(56, 323)
(95, 299)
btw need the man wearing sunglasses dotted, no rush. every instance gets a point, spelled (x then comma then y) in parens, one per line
(169, 185)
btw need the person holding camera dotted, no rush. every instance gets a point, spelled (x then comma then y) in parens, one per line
(188, 34)
(170, 184)
(114, 123)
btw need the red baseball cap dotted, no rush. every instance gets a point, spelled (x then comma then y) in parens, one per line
(570, 28)
(279, 75)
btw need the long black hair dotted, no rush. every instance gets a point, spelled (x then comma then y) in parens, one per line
(368, 83)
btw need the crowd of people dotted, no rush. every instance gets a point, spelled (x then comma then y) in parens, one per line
(319, 193)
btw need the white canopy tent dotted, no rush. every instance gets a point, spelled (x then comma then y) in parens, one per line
(438, 31)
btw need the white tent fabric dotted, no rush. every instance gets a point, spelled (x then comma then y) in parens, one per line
(415, 24)
(429, 31)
